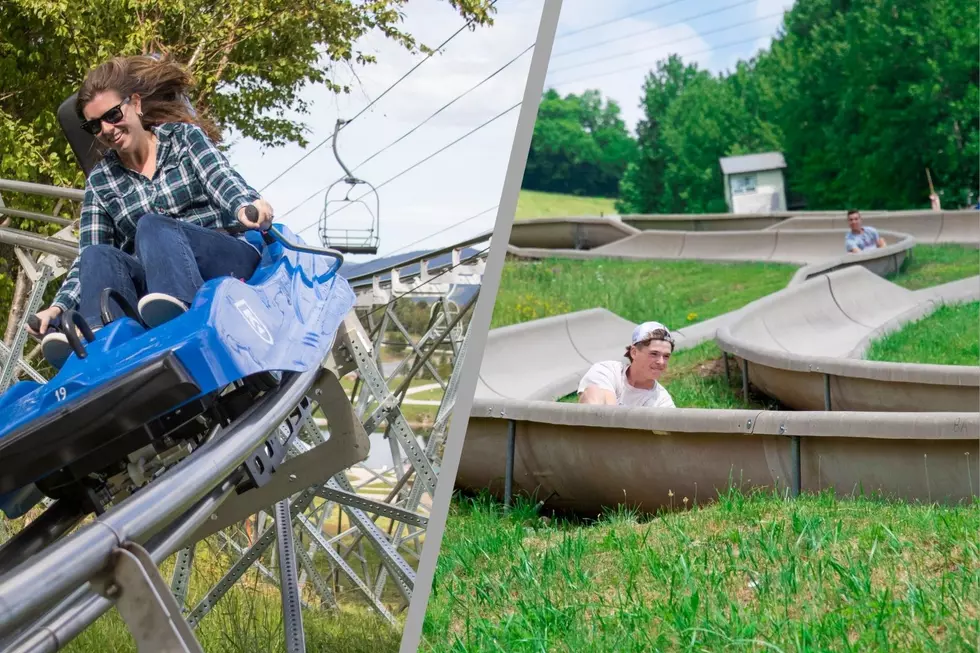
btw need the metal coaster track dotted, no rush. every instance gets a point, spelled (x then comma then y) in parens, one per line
(54, 584)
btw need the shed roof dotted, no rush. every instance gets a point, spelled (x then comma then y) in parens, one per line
(733, 165)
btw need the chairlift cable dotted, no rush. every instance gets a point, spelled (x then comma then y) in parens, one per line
(660, 45)
(418, 163)
(447, 105)
(375, 100)
(654, 29)
(650, 65)
(406, 134)
(616, 20)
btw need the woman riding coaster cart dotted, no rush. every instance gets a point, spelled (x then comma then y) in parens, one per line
(158, 207)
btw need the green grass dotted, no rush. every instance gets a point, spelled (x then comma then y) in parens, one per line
(676, 293)
(948, 336)
(535, 204)
(747, 573)
(249, 617)
(932, 265)
(248, 623)
(433, 394)
(683, 292)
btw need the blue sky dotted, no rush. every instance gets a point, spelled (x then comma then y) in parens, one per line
(468, 178)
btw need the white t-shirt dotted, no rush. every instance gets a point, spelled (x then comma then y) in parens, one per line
(611, 375)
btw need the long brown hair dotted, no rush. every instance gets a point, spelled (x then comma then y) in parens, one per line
(162, 84)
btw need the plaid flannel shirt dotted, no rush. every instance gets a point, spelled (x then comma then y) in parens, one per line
(193, 182)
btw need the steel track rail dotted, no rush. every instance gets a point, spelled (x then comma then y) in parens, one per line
(82, 607)
(29, 240)
(30, 188)
(34, 586)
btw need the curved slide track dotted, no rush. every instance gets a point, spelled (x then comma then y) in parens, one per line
(905, 430)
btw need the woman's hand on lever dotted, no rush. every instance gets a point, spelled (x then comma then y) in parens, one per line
(264, 220)
(44, 319)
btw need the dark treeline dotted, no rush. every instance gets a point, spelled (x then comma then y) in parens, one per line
(861, 96)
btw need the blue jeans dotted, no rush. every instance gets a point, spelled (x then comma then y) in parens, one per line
(172, 257)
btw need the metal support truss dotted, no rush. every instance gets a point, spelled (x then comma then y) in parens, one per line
(338, 525)
(145, 603)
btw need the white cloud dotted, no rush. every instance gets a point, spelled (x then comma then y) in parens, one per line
(702, 40)
(456, 184)
(619, 77)
(468, 177)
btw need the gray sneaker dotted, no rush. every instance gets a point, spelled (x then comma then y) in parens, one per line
(55, 347)
(158, 308)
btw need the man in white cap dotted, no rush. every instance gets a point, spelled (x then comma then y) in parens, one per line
(635, 383)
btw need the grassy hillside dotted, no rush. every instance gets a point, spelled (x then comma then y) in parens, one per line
(949, 336)
(534, 204)
(676, 293)
(748, 572)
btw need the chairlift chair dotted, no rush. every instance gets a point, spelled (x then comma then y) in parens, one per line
(350, 240)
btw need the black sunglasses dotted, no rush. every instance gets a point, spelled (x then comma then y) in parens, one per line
(112, 116)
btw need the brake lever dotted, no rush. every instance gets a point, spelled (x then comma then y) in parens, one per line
(273, 235)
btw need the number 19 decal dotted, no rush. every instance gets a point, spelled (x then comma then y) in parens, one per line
(61, 393)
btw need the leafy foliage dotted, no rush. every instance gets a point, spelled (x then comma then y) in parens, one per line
(580, 146)
(252, 60)
(861, 96)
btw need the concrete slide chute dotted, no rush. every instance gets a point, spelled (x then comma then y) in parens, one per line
(907, 430)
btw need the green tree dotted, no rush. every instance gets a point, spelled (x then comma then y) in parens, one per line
(580, 146)
(877, 92)
(862, 96)
(642, 189)
(693, 119)
(252, 59)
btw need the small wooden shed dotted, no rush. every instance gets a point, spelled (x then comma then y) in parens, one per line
(754, 183)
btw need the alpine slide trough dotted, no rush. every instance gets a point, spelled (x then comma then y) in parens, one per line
(244, 432)
(907, 431)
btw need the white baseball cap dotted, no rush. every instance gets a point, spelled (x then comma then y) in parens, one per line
(643, 331)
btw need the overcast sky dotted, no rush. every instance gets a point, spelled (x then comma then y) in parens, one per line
(468, 177)
(456, 184)
(615, 58)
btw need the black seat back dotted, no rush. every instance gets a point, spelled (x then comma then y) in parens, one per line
(85, 146)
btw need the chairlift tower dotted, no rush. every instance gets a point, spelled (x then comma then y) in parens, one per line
(360, 240)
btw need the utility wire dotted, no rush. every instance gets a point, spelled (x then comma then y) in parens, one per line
(375, 100)
(415, 128)
(651, 64)
(616, 20)
(442, 231)
(654, 29)
(417, 164)
(674, 42)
